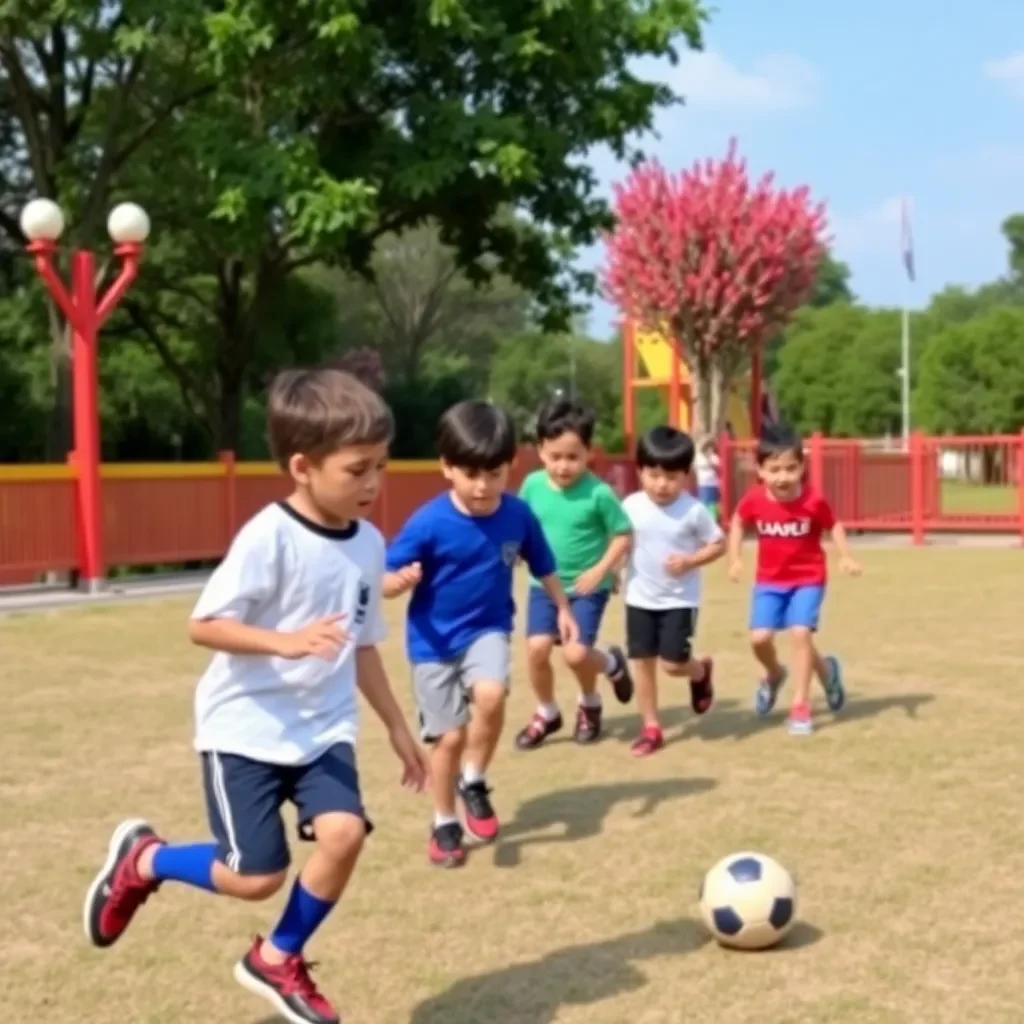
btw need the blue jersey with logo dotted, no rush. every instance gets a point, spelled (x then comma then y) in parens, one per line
(468, 564)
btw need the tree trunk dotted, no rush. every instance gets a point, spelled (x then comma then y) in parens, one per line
(704, 406)
(230, 397)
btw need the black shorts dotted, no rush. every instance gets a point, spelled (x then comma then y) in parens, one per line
(665, 634)
(244, 800)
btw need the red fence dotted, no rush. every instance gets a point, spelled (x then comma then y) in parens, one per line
(157, 514)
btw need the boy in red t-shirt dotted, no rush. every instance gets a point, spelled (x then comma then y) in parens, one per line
(790, 519)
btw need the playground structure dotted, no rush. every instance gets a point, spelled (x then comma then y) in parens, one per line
(660, 358)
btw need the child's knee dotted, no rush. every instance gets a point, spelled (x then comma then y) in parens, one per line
(452, 741)
(575, 655)
(254, 888)
(340, 836)
(489, 698)
(761, 639)
(675, 668)
(538, 650)
(801, 636)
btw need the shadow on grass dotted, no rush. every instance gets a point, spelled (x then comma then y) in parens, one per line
(732, 720)
(582, 811)
(534, 992)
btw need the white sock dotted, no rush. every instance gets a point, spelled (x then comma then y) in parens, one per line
(549, 712)
(471, 774)
(610, 663)
(440, 820)
(590, 700)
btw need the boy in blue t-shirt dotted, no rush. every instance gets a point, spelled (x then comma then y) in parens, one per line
(458, 554)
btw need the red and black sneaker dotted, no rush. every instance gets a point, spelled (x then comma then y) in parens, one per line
(650, 741)
(445, 848)
(481, 821)
(537, 730)
(702, 694)
(619, 677)
(288, 987)
(119, 890)
(588, 724)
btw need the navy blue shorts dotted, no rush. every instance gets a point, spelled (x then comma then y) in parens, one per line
(542, 615)
(244, 800)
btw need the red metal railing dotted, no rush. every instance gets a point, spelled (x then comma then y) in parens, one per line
(167, 514)
(940, 485)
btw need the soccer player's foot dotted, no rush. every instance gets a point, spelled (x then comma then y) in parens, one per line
(588, 724)
(702, 692)
(118, 891)
(767, 694)
(650, 741)
(537, 730)
(619, 677)
(800, 723)
(445, 848)
(288, 987)
(835, 692)
(481, 821)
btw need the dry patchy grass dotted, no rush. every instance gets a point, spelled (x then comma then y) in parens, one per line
(901, 820)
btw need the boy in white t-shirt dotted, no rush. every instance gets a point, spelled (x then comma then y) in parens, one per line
(293, 614)
(674, 536)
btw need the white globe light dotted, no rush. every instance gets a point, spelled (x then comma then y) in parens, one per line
(42, 221)
(128, 224)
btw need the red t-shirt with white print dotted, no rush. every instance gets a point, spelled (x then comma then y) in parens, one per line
(789, 550)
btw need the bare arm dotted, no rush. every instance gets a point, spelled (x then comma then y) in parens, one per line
(233, 637)
(735, 543)
(375, 686)
(708, 554)
(553, 585)
(841, 541)
(617, 552)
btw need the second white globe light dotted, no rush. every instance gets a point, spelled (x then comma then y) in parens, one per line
(128, 224)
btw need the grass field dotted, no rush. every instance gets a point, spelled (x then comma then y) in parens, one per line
(958, 497)
(902, 821)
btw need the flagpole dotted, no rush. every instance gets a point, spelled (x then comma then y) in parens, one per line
(905, 370)
(908, 263)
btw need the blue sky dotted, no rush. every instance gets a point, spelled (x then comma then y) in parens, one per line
(865, 103)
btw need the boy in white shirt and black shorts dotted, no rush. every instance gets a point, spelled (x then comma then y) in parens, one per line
(293, 616)
(674, 536)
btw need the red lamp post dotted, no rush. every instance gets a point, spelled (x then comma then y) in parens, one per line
(42, 223)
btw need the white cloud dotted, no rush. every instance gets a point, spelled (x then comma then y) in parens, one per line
(774, 83)
(1009, 71)
(994, 160)
(878, 226)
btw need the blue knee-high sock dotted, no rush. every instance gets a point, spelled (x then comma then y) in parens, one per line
(191, 864)
(303, 914)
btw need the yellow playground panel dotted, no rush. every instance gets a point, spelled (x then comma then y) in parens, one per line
(656, 355)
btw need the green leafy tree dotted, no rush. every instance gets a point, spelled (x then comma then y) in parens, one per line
(972, 376)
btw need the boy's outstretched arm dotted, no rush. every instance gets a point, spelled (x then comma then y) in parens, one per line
(735, 547)
(847, 563)
(614, 556)
(373, 682)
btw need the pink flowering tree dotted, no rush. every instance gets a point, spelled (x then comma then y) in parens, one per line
(717, 261)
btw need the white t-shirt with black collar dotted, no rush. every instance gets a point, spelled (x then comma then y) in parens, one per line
(659, 531)
(283, 572)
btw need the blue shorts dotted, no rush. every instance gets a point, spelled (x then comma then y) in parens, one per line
(244, 800)
(778, 607)
(542, 615)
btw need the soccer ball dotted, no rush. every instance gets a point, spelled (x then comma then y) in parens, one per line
(748, 901)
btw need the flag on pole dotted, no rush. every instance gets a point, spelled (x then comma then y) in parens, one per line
(906, 239)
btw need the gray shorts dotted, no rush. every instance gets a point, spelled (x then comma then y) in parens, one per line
(443, 688)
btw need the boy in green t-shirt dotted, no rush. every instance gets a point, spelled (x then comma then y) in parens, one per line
(589, 535)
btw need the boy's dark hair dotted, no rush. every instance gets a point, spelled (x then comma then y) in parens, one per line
(316, 412)
(665, 448)
(476, 435)
(559, 415)
(776, 439)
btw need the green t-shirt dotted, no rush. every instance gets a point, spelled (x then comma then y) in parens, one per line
(579, 522)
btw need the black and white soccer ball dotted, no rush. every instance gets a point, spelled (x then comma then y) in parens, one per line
(748, 901)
